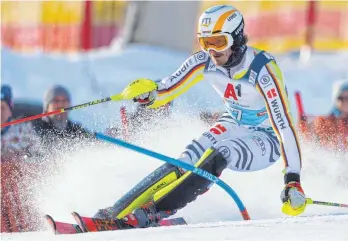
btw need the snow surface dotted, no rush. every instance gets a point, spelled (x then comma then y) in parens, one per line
(332, 228)
(92, 177)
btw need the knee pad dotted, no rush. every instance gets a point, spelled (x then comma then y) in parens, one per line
(144, 191)
(186, 189)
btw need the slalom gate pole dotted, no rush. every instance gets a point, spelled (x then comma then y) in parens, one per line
(124, 121)
(310, 201)
(183, 165)
(299, 105)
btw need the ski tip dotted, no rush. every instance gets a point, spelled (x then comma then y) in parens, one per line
(51, 223)
(76, 216)
(79, 221)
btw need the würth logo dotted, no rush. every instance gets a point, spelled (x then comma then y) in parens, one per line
(271, 93)
(218, 129)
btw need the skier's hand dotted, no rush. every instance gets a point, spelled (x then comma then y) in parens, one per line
(292, 196)
(147, 98)
(148, 88)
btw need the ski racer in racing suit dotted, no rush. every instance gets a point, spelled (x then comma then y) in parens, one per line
(256, 130)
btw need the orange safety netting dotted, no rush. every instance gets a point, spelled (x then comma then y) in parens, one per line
(329, 132)
(18, 214)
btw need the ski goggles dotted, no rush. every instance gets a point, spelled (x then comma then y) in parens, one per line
(218, 42)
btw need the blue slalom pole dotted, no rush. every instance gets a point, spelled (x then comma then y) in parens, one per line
(183, 165)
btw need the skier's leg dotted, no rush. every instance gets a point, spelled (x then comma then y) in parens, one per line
(223, 129)
(250, 150)
(235, 147)
(141, 193)
(177, 194)
(166, 174)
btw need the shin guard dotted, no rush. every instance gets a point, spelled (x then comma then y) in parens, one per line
(141, 193)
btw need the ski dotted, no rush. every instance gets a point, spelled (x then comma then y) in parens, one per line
(62, 228)
(88, 224)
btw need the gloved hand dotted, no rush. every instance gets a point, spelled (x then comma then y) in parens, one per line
(147, 98)
(148, 88)
(292, 196)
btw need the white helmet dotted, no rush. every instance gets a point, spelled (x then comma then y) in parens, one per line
(220, 27)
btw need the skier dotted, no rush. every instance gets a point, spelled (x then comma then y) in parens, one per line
(256, 130)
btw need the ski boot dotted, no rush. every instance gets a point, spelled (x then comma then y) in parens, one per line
(146, 216)
(105, 213)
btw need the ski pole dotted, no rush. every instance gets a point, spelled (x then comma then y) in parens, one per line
(183, 165)
(55, 112)
(310, 201)
(132, 90)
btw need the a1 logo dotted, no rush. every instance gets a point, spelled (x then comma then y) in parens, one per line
(231, 91)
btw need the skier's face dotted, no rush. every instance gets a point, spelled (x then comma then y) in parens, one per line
(342, 103)
(5, 112)
(220, 58)
(59, 102)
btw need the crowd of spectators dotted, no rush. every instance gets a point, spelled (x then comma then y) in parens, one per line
(330, 131)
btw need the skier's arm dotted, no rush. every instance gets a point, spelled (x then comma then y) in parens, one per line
(189, 73)
(271, 85)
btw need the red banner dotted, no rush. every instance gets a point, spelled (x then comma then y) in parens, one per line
(60, 26)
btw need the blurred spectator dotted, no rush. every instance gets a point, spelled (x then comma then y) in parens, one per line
(17, 141)
(58, 127)
(340, 95)
(332, 131)
(6, 104)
